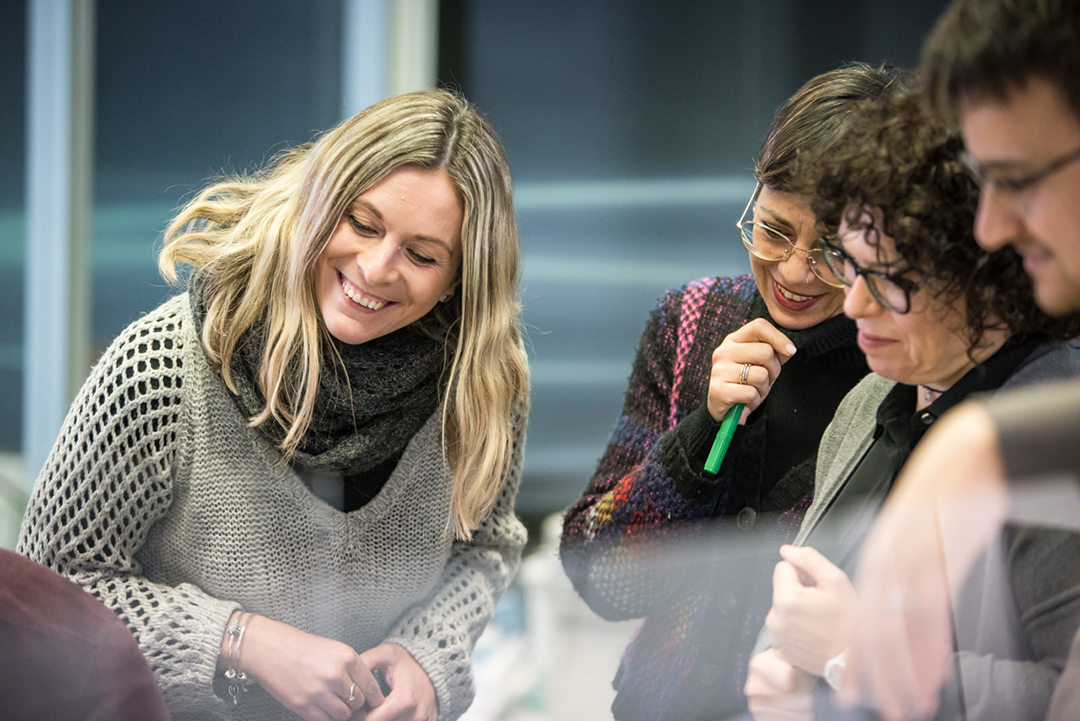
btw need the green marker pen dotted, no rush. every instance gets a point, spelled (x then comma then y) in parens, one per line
(723, 438)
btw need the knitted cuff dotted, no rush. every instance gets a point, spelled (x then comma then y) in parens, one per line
(796, 485)
(683, 451)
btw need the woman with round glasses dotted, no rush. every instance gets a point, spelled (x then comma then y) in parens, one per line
(773, 340)
(938, 319)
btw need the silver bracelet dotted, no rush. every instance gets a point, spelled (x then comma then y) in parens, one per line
(237, 679)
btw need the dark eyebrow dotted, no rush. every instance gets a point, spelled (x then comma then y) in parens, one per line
(778, 220)
(1006, 164)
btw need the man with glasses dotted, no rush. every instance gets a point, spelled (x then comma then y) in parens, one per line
(1008, 72)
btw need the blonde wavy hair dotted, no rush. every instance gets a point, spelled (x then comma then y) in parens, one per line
(257, 238)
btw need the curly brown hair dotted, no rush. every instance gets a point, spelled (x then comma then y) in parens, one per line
(896, 158)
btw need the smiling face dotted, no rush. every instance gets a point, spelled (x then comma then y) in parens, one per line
(926, 346)
(394, 254)
(796, 298)
(1033, 126)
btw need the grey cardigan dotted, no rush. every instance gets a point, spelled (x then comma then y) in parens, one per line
(1019, 607)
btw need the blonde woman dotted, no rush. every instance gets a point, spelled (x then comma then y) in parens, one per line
(295, 482)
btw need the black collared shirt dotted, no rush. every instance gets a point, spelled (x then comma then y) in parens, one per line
(843, 527)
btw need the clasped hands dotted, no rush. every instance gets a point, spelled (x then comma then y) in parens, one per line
(320, 679)
(810, 622)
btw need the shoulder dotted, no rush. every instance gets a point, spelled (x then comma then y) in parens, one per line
(1048, 362)
(846, 438)
(147, 360)
(734, 291)
(166, 328)
(724, 300)
(858, 407)
(867, 394)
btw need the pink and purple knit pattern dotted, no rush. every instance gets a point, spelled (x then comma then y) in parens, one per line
(617, 539)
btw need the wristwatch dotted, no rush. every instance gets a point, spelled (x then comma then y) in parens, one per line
(834, 670)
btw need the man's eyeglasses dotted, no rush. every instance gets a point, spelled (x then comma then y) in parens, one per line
(1014, 186)
(892, 291)
(770, 244)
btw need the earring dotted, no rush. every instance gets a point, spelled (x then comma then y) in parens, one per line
(446, 297)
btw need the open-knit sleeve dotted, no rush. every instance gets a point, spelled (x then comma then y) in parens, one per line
(440, 633)
(640, 505)
(106, 483)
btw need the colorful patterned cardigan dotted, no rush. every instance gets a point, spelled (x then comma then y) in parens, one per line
(649, 497)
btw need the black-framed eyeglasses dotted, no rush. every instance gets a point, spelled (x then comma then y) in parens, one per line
(768, 243)
(891, 290)
(1017, 185)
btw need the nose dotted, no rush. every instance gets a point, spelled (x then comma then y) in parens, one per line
(859, 302)
(376, 261)
(997, 220)
(796, 270)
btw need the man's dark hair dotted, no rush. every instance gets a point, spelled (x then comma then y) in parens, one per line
(985, 47)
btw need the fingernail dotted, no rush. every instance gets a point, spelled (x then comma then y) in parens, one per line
(790, 349)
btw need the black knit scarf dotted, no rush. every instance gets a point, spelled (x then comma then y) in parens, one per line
(365, 413)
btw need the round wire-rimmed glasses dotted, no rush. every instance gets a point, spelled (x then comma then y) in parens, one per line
(768, 243)
(891, 290)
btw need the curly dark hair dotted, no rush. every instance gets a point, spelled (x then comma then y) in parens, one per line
(897, 159)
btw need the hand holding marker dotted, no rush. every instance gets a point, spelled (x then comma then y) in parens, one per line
(777, 350)
(723, 438)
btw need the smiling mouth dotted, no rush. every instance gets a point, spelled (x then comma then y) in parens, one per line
(357, 296)
(792, 296)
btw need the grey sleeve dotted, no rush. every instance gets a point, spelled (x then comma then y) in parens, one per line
(105, 484)
(1038, 429)
(1015, 650)
(441, 632)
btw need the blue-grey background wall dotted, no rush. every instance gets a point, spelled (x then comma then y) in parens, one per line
(631, 128)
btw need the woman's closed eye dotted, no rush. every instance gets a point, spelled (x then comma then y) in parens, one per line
(775, 234)
(420, 258)
(361, 227)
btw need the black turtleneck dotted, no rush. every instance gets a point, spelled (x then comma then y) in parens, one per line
(780, 438)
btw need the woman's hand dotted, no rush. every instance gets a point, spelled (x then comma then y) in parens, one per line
(813, 608)
(761, 345)
(777, 691)
(412, 695)
(310, 675)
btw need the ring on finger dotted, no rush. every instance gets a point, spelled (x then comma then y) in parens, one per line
(352, 693)
(745, 372)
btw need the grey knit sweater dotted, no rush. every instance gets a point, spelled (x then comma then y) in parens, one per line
(162, 502)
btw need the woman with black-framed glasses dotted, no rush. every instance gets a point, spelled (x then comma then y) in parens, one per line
(939, 319)
(891, 289)
(774, 340)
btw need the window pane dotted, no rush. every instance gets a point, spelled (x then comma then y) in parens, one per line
(632, 129)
